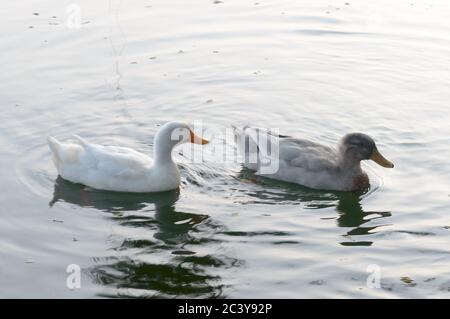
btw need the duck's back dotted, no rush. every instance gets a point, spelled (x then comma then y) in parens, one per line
(308, 155)
(103, 167)
(299, 161)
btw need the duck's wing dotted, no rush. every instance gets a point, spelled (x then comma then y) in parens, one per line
(307, 154)
(265, 148)
(115, 161)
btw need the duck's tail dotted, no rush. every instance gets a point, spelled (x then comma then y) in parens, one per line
(55, 147)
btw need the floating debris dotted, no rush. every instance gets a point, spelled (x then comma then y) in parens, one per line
(180, 52)
(209, 101)
(133, 62)
(58, 221)
(215, 51)
(217, 1)
(36, 13)
(152, 58)
(28, 262)
(30, 27)
(74, 239)
(408, 281)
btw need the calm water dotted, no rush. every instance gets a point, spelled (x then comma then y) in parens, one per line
(317, 69)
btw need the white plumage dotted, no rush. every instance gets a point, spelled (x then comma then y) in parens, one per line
(123, 169)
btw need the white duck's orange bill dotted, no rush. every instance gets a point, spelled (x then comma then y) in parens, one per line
(197, 139)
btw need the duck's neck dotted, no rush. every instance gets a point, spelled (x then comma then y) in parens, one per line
(163, 154)
(348, 163)
(351, 167)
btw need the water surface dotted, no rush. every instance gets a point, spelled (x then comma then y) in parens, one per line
(316, 69)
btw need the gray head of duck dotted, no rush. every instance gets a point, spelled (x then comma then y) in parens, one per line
(356, 147)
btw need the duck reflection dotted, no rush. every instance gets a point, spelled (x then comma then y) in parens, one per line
(161, 261)
(347, 204)
(351, 214)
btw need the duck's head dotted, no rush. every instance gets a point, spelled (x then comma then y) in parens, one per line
(357, 147)
(174, 133)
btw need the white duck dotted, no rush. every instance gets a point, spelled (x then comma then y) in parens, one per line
(308, 163)
(123, 169)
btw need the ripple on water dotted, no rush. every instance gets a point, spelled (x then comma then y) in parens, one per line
(311, 69)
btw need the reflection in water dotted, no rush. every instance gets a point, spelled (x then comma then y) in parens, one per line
(162, 261)
(275, 192)
(178, 253)
(347, 204)
(352, 215)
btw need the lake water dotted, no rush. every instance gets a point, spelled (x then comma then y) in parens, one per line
(316, 69)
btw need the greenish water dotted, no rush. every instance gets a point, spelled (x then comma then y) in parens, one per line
(316, 69)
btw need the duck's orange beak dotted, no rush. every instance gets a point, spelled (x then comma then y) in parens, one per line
(380, 159)
(197, 139)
